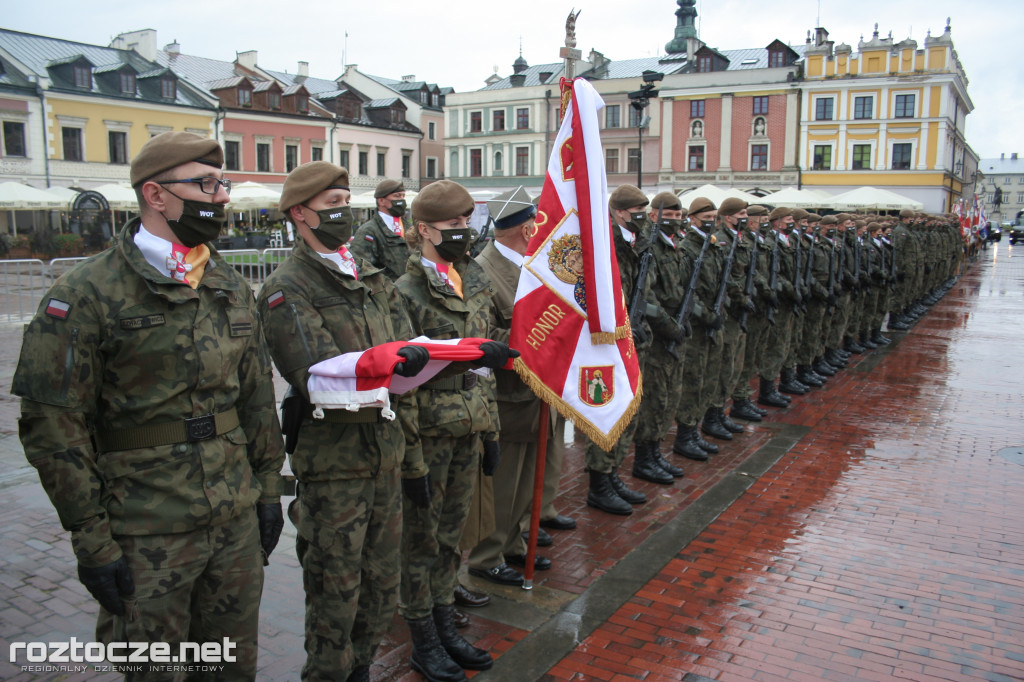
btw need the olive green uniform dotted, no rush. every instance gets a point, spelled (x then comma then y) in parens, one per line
(133, 350)
(758, 326)
(781, 334)
(377, 243)
(734, 339)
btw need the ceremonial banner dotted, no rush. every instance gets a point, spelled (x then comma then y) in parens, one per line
(569, 321)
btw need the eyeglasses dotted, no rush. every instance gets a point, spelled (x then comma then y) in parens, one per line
(207, 185)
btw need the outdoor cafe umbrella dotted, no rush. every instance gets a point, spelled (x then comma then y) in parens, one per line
(119, 197)
(250, 195)
(874, 198)
(716, 195)
(15, 196)
(791, 197)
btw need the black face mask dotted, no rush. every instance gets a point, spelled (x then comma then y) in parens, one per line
(454, 243)
(763, 228)
(200, 222)
(335, 228)
(670, 226)
(707, 225)
(636, 222)
(831, 232)
(787, 228)
(397, 209)
(741, 223)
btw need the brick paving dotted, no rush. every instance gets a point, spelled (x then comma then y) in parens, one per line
(867, 532)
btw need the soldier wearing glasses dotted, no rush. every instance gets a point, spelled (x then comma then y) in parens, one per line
(148, 411)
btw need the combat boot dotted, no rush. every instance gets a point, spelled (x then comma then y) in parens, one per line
(866, 342)
(603, 496)
(898, 321)
(770, 396)
(687, 446)
(361, 673)
(833, 358)
(852, 346)
(461, 651)
(644, 466)
(788, 383)
(711, 426)
(706, 446)
(429, 657)
(823, 368)
(804, 376)
(666, 466)
(876, 337)
(729, 424)
(628, 494)
(743, 409)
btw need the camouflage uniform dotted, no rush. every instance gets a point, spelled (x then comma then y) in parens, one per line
(377, 243)
(456, 414)
(816, 296)
(758, 326)
(348, 511)
(781, 334)
(733, 337)
(135, 349)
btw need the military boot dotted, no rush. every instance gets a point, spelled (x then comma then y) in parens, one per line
(461, 651)
(729, 424)
(789, 384)
(712, 427)
(770, 396)
(654, 448)
(361, 673)
(603, 496)
(833, 358)
(899, 322)
(629, 495)
(706, 446)
(429, 657)
(686, 444)
(823, 368)
(804, 376)
(852, 346)
(743, 409)
(645, 468)
(877, 338)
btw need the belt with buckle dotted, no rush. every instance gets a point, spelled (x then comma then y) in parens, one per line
(463, 382)
(191, 430)
(363, 416)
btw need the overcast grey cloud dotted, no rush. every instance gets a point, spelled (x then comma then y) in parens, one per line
(459, 42)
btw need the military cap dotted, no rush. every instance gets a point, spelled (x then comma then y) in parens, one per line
(700, 205)
(757, 210)
(442, 200)
(799, 214)
(667, 200)
(859, 223)
(386, 187)
(780, 212)
(813, 218)
(829, 220)
(169, 150)
(627, 196)
(511, 209)
(872, 226)
(907, 213)
(731, 206)
(309, 179)
(843, 217)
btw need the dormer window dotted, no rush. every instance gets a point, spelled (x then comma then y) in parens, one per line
(423, 97)
(302, 103)
(168, 88)
(434, 100)
(397, 116)
(704, 64)
(776, 58)
(83, 77)
(127, 83)
(244, 97)
(275, 100)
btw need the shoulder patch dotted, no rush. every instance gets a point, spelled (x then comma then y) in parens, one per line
(275, 299)
(58, 308)
(368, 237)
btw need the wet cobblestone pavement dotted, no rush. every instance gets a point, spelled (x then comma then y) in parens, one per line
(870, 531)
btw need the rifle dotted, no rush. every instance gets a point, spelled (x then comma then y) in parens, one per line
(683, 316)
(637, 303)
(748, 290)
(892, 266)
(871, 249)
(773, 279)
(726, 272)
(807, 269)
(830, 308)
(856, 264)
(797, 307)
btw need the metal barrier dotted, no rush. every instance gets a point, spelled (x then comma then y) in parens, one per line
(22, 284)
(58, 266)
(248, 263)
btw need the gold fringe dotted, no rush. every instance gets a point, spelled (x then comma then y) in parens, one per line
(604, 441)
(597, 338)
(624, 332)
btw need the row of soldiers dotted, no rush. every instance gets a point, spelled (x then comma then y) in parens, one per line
(735, 293)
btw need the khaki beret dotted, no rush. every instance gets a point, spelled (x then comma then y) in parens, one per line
(757, 210)
(170, 150)
(700, 205)
(511, 209)
(843, 217)
(829, 220)
(442, 200)
(627, 196)
(731, 206)
(780, 212)
(386, 187)
(667, 200)
(309, 179)
(799, 214)
(907, 213)
(860, 223)
(872, 226)
(813, 218)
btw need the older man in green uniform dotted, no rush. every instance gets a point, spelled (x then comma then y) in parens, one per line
(321, 303)
(148, 411)
(380, 240)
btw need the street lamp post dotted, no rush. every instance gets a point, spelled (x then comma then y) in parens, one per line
(639, 100)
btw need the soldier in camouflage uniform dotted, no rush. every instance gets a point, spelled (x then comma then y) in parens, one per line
(148, 410)
(757, 323)
(907, 253)
(380, 240)
(318, 304)
(448, 296)
(780, 336)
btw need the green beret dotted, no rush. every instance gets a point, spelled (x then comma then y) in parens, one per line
(799, 214)
(780, 212)
(170, 150)
(667, 200)
(907, 213)
(813, 218)
(731, 206)
(829, 220)
(511, 209)
(442, 200)
(700, 205)
(757, 210)
(309, 179)
(627, 196)
(843, 217)
(874, 226)
(386, 187)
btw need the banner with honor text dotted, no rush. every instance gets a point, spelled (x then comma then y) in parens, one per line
(569, 320)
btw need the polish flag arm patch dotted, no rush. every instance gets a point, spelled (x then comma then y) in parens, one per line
(275, 299)
(58, 308)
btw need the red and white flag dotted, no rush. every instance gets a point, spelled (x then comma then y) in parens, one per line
(363, 379)
(569, 321)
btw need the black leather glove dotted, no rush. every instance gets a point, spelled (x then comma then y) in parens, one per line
(416, 358)
(107, 584)
(496, 354)
(271, 521)
(492, 455)
(417, 490)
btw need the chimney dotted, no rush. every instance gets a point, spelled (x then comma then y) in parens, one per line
(246, 59)
(517, 80)
(173, 49)
(143, 42)
(303, 69)
(820, 36)
(409, 78)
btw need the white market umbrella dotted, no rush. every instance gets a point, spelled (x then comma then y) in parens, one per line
(363, 200)
(249, 195)
(119, 197)
(15, 196)
(66, 195)
(874, 198)
(717, 195)
(791, 197)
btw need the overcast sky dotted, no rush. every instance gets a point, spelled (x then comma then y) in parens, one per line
(459, 43)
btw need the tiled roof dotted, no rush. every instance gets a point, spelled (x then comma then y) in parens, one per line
(1004, 166)
(222, 83)
(379, 103)
(532, 77)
